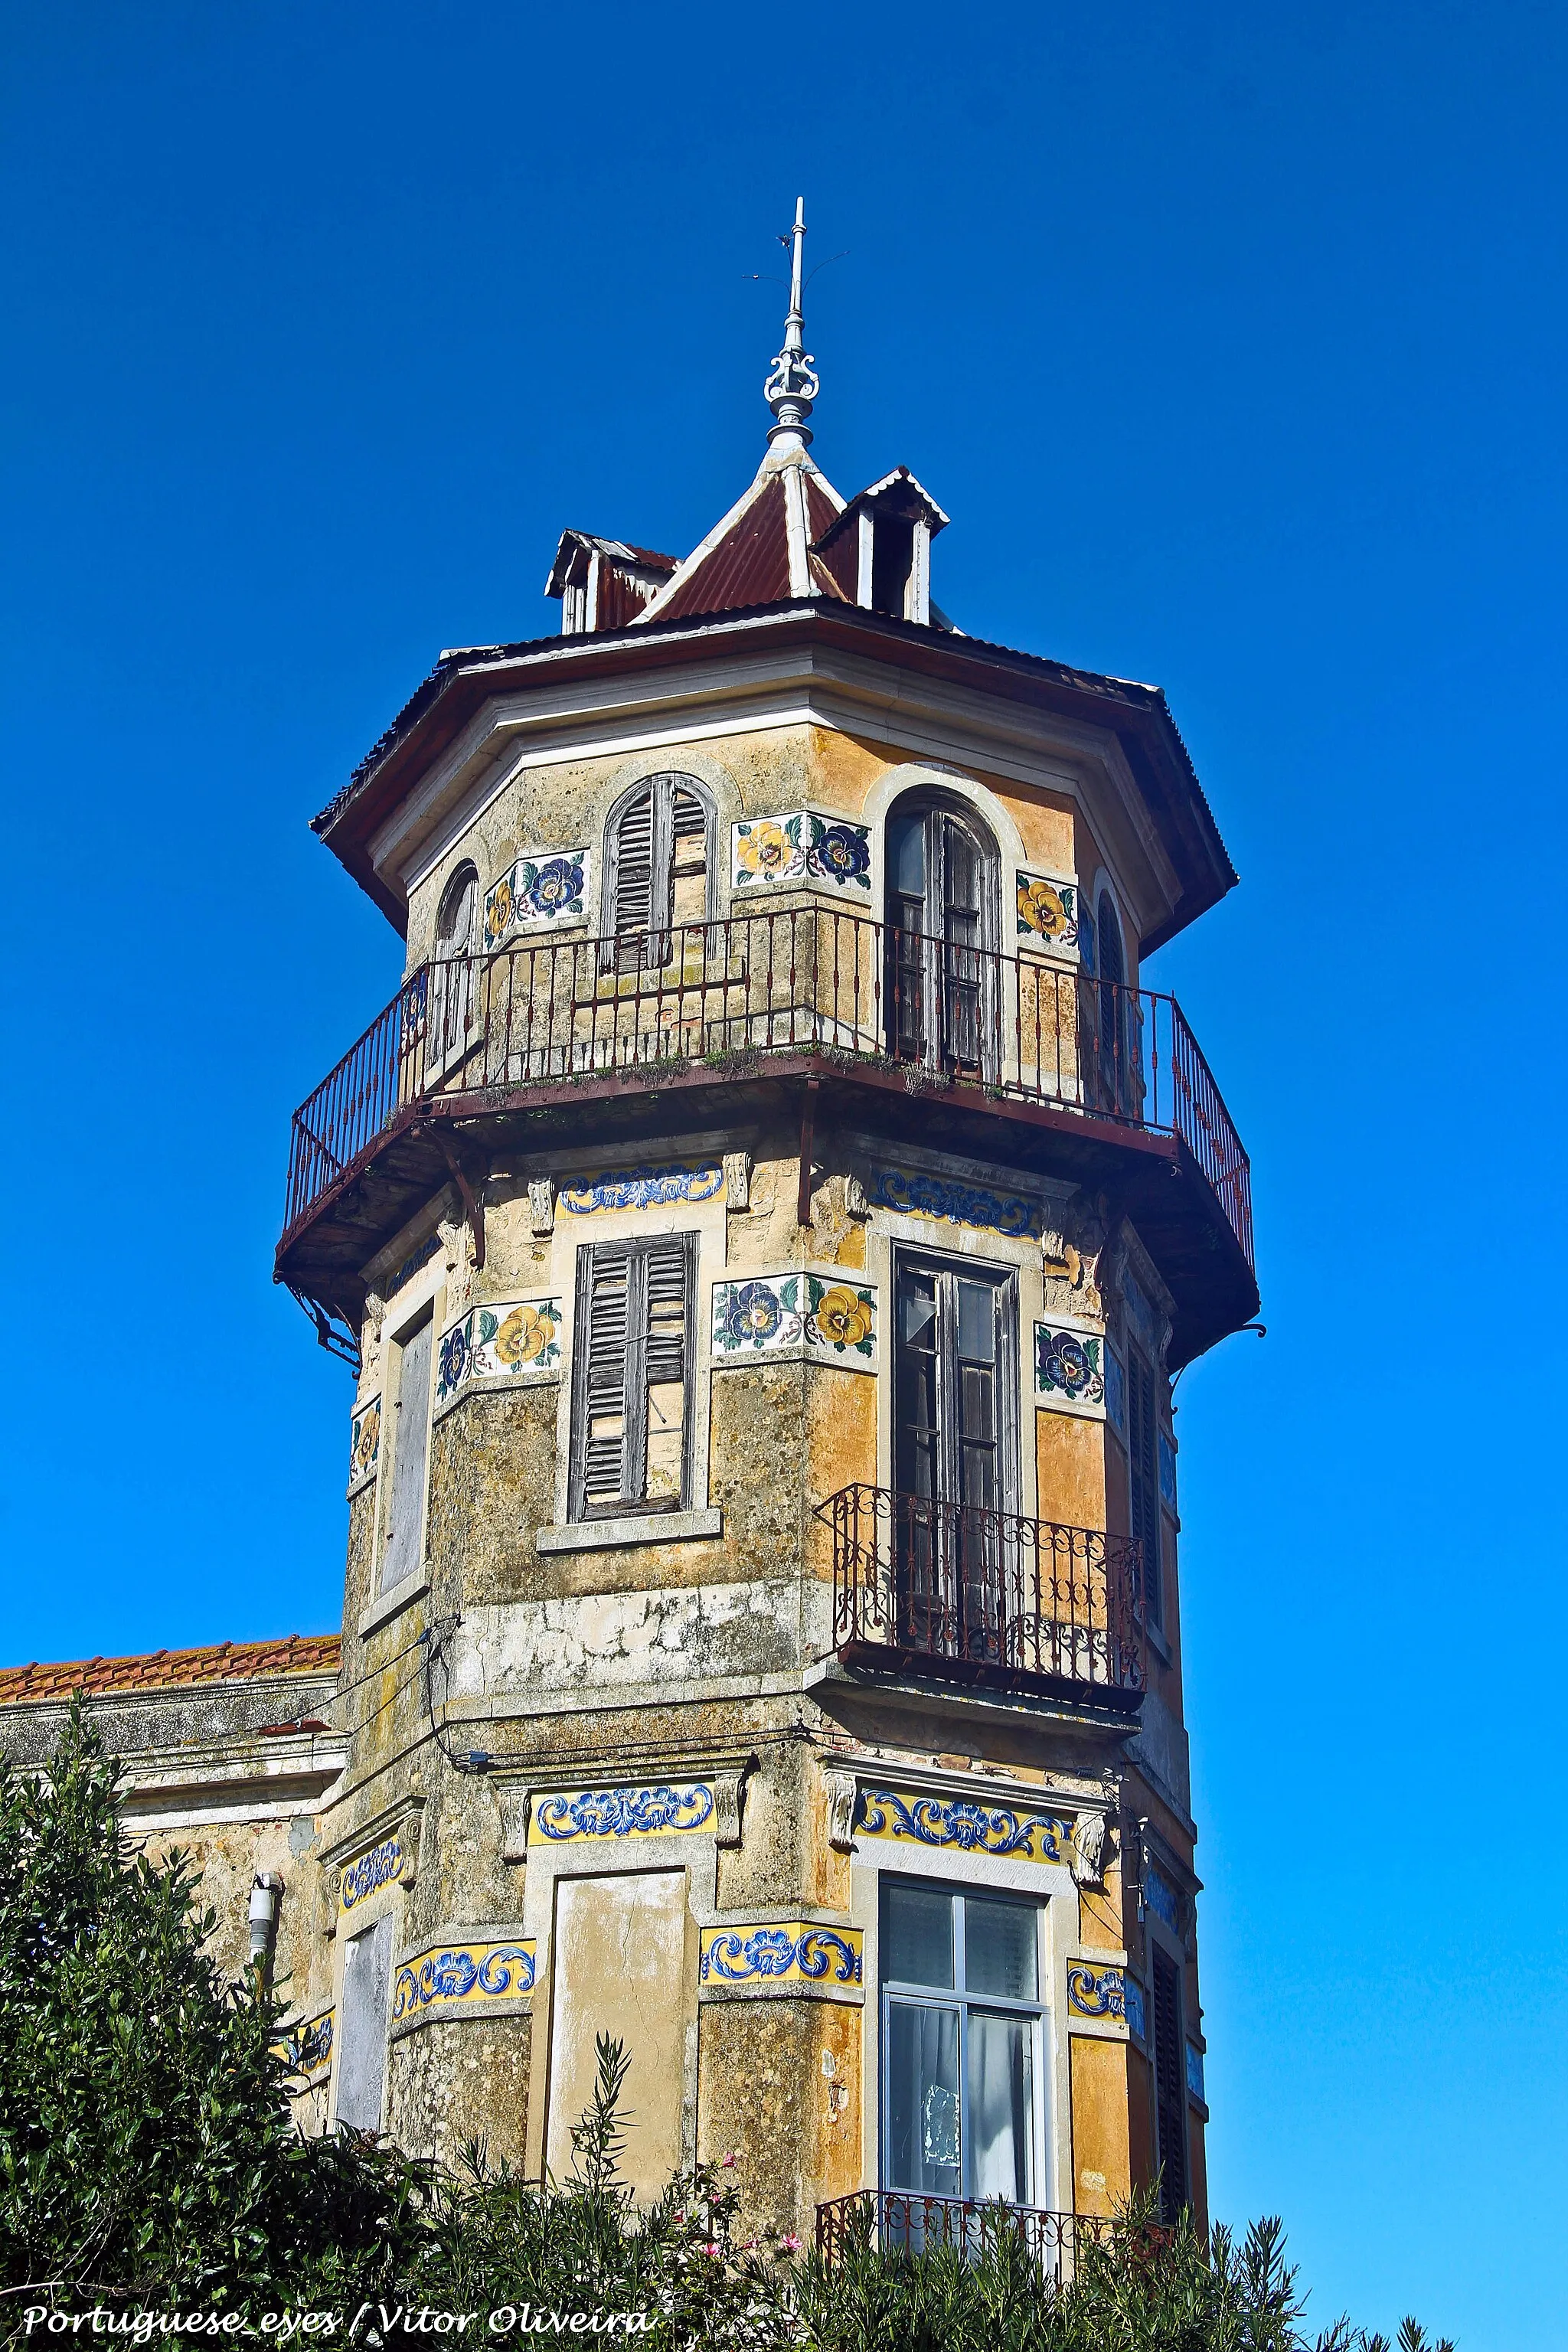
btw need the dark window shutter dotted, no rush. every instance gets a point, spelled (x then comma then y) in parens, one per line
(1169, 2088)
(661, 831)
(633, 1344)
(632, 914)
(1144, 1469)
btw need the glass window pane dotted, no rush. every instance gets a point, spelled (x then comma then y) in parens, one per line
(1001, 2107)
(977, 1322)
(923, 2139)
(917, 1940)
(999, 1941)
(917, 1312)
(906, 856)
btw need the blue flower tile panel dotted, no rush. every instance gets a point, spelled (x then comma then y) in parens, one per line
(628, 1815)
(376, 1868)
(497, 1341)
(1047, 911)
(306, 2048)
(1070, 1369)
(960, 1825)
(772, 1313)
(1167, 1471)
(364, 1443)
(463, 1976)
(793, 1953)
(800, 847)
(1097, 1992)
(545, 890)
(641, 1188)
(955, 1202)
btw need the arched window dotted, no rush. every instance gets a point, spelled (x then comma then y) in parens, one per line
(944, 921)
(452, 965)
(1115, 1028)
(660, 868)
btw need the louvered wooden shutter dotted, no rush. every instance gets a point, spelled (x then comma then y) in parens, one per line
(631, 1407)
(632, 916)
(1170, 2090)
(1144, 1464)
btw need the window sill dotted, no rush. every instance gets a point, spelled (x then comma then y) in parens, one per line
(396, 1597)
(650, 1527)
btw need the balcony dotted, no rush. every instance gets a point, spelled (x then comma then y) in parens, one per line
(1113, 1073)
(904, 2222)
(984, 1598)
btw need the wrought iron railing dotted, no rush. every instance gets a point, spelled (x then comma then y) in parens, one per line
(906, 2222)
(984, 1596)
(784, 980)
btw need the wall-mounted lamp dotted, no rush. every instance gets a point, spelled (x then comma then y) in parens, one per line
(265, 1888)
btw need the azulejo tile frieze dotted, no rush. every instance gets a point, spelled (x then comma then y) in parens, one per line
(1099, 1993)
(493, 1342)
(662, 1810)
(374, 1869)
(772, 1313)
(307, 2048)
(364, 1443)
(800, 846)
(792, 1952)
(1070, 1369)
(1047, 910)
(462, 1976)
(545, 889)
(1160, 1898)
(949, 1198)
(962, 1824)
(641, 1188)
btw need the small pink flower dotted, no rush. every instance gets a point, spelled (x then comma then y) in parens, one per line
(729, 2163)
(789, 2244)
(715, 2250)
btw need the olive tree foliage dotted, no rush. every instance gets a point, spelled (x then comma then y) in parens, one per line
(149, 2161)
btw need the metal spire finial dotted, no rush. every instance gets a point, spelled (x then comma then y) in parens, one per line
(792, 386)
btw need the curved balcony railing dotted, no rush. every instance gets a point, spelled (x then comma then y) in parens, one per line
(984, 1596)
(904, 2222)
(780, 980)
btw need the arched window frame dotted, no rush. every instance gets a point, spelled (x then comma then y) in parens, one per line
(1116, 1028)
(662, 785)
(944, 998)
(453, 965)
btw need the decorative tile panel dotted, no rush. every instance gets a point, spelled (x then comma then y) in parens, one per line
(772, 1313)
(1070, 1369)
(1196, 2075)
(958, 1823)
(374, 1869)
(1167, 1471)
(364, 1443)
(791, 1953)
(307, 2048)
(1160, 1897)
(641, 1188)
(955, 1202)
(630, 1813)
(497, 1341)
(1096, 1992)
(799, 847)
(1115, 1391)
(1133, 2004)
(462, 1977)
(1047, 910)
(413, 1262)
(545, 889)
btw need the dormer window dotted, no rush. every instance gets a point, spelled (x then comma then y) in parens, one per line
(879, 548)
(603, 583)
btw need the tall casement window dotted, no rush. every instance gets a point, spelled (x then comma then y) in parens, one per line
(943, 933)
(632, 1377)
(954, 1452)
(402, 1548)
(362, 2036)
(1113, 1024)
(661, 860)
(964, 2067)
(1170, 2082)
(1144, 1477)
(452, 969)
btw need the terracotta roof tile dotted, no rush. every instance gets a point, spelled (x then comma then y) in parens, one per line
(223, 1662)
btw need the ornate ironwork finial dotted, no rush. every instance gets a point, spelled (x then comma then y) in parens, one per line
(792, 386)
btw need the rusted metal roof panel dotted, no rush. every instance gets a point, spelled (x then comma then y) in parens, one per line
(750, 566)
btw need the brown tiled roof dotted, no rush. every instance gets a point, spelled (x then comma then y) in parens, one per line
(223, 1662)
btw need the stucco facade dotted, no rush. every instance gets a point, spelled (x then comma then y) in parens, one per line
(763, 1233)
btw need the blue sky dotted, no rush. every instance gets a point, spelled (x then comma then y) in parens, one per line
(1232, 340)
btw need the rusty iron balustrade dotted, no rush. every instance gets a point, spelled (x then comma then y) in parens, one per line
(786, 979)
(905, 2221)
(985, 1596)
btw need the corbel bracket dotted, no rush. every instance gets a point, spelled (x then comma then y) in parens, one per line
(473, 1207)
